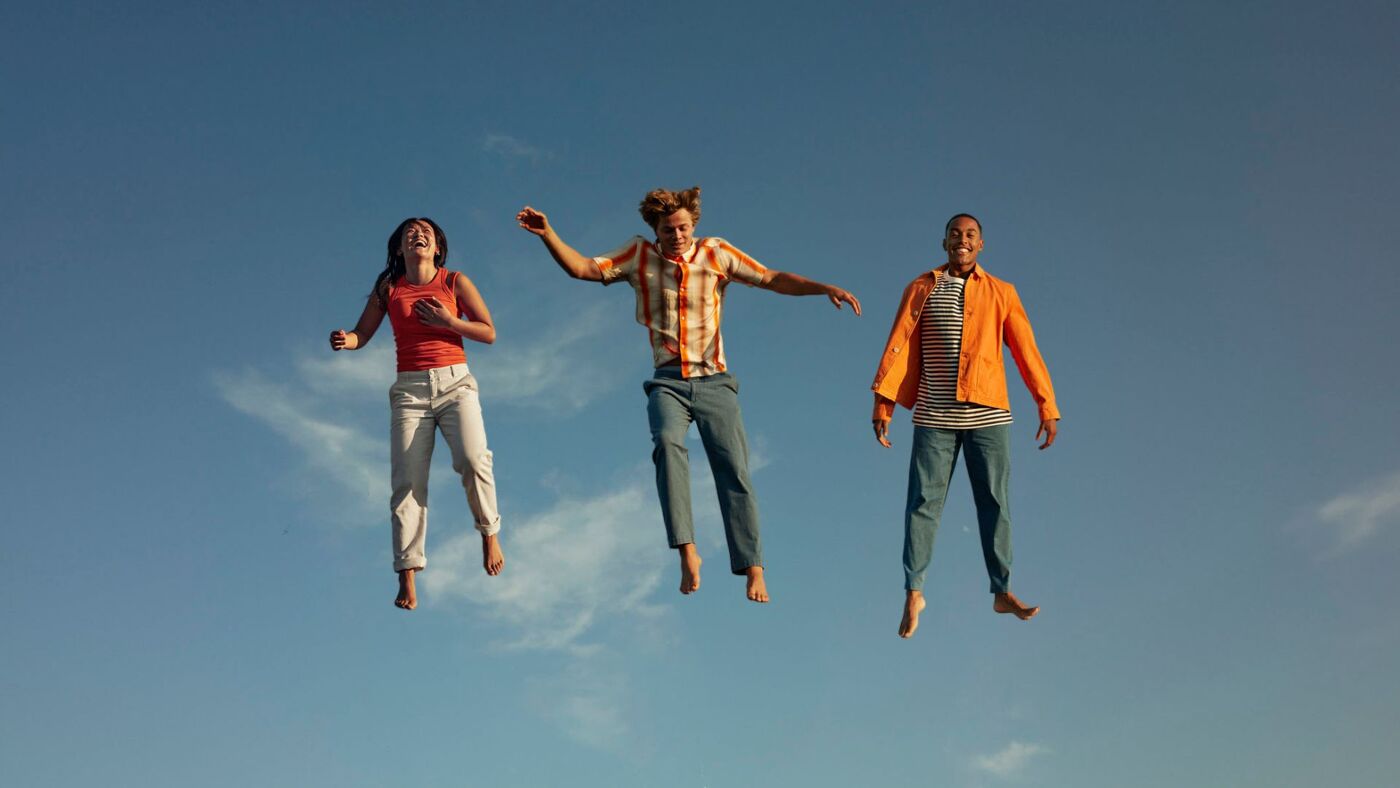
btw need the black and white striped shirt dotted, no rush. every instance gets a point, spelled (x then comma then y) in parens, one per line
(940, 338)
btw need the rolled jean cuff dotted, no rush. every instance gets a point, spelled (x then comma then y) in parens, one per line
(489, 529)
(402, 564)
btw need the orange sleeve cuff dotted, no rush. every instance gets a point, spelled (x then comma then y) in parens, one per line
(884, 409)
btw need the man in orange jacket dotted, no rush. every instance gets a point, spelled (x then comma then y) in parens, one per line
(943, 360)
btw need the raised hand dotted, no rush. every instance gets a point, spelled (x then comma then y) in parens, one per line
(532, 221)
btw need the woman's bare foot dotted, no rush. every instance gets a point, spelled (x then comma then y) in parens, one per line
(492, 559)
(757, 590)
(1008, 603)
(690, 569)
(913, 606)
(408, 598)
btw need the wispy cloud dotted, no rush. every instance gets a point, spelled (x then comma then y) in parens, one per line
(512, 148)
(591, 702)
(341, 454)
(554, 372)
(361, 374)
(1010, 761)
(1361, 513)
(583, 561)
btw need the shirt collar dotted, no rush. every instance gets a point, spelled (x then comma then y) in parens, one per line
(975, 272)
(685, 256)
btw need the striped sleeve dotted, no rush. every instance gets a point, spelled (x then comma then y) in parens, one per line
(621, 262)
(737, 265)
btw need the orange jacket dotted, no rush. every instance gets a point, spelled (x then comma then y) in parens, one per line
(992, 314)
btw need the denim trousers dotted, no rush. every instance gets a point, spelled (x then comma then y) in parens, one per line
(420, 404)
(712, 402)
(933, 458)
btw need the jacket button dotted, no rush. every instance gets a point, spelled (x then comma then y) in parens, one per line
(896, 350)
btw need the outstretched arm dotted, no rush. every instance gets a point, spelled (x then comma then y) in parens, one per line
(369, 322)
(792, 284)
(477, 326)
(573, 263)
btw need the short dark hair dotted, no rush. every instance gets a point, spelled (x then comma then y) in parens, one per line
(958, 216)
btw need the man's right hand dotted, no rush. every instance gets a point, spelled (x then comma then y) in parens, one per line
(882, 432)
(533, 221)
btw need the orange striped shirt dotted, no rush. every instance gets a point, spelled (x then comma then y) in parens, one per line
(681, 301)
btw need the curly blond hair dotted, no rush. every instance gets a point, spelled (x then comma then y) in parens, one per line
(660, 203)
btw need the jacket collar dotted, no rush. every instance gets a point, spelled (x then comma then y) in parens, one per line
(975, 273)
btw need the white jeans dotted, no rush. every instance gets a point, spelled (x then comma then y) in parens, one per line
(444, 398)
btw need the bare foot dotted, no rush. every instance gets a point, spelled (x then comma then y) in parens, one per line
(690, 569)
(408, 598)
(492, 559)
(913, 605)
(1008, 603)
(758, 590)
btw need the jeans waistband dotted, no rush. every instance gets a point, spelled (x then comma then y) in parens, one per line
(674, 373)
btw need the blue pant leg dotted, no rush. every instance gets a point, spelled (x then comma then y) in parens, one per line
(721, 426)
(669, 413)
(988, 454)
(932, 458)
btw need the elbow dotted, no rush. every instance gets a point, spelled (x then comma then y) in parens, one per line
(489, 337)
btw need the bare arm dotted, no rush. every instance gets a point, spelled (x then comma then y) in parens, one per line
(477, 326)
(364, 330)
(788, 283)
(573, 263)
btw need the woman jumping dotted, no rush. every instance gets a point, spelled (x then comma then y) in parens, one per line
(430, 309)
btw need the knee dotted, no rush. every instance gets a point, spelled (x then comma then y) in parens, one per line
(476, 464)
(668, 440)
(407, 495)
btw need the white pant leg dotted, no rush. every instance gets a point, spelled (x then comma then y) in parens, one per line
(411, 435)
(458, 412)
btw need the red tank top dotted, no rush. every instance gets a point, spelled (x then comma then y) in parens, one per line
(422, 346)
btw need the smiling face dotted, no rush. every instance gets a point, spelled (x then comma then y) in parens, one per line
(419, 241)
(675, 233)
(962, 242)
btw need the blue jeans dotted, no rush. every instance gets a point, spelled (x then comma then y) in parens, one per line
(934, 456)
(712, 402)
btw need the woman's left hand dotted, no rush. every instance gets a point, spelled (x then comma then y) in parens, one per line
(431, 312)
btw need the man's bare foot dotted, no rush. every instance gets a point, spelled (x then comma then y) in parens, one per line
(757, 590)
(1008, 603)
(913, 606)
(492, 559)
(408, 598)
(690, 569)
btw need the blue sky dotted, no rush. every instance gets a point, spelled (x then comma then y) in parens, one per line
(1196, 203)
